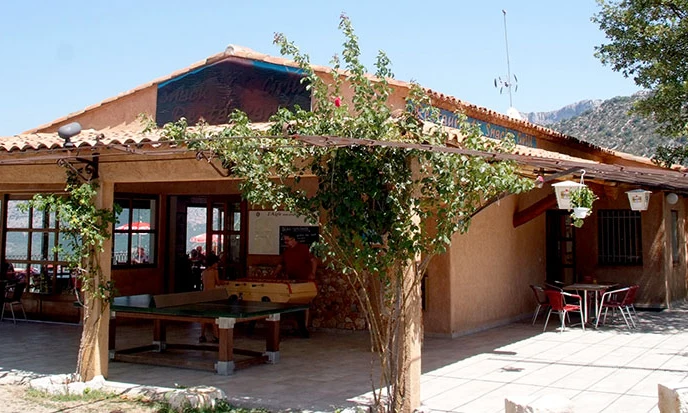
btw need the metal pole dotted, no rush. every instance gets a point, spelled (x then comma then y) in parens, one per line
(508, 65)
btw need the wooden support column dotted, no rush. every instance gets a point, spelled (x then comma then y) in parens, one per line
(104, 199)
(225, 363)
(413, 337)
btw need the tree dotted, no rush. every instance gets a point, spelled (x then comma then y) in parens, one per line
(382, 201)
(648, 40)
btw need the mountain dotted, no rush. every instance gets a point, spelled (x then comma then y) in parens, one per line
(605, 123)
(567, 112)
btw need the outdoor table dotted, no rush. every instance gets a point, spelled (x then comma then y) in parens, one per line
(588, 288)
(224, 312)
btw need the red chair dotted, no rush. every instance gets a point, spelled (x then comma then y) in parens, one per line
(557, 302)
(630, 305)
(621, 299)
(541, 299)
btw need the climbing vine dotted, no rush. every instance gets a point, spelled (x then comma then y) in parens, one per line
(385, 204)
(84, 228)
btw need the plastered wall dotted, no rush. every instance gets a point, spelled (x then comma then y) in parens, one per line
(484, 278)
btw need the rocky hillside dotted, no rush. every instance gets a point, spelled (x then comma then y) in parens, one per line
(607, 124)
(567, 112)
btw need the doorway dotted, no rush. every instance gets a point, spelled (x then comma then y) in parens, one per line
(202, 226)
(561, 247)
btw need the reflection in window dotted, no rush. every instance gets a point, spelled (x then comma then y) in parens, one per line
(135, 232)
(33, 247)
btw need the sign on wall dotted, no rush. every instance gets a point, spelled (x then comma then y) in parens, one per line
(213, 92)
(490, 130)
(266, 227)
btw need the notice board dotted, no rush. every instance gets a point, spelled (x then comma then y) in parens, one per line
(265, 229)
(304, 235)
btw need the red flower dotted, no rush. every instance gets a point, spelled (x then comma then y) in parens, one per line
(338, 101)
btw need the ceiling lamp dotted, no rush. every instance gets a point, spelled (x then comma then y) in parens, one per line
(639, 199)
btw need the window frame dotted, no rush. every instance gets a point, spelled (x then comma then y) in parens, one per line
(626, 225)
(44, 281)
(130, 199)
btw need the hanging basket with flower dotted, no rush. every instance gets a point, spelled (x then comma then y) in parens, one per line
(581, 203)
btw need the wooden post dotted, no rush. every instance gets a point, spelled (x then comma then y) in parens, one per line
(413, 337)
(225, 359)
(99, 365)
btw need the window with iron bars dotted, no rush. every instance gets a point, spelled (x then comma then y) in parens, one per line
(619, 237)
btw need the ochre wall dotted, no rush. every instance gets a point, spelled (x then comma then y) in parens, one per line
(491, 267)
(655, 244)
(113, 112)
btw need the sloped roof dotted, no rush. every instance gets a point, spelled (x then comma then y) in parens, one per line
(131, 139)
(246, 53)
(126, 138)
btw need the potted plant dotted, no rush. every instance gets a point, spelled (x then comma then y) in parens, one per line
(581, 203)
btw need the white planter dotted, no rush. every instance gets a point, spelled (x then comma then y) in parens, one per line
(581, 212)
(639, 199)
(563, 192)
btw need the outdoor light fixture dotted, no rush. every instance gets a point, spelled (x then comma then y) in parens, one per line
(639, 199)
(671, 198)
(67, 131)
(563, 192)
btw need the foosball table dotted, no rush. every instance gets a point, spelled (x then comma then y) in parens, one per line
(272, 290)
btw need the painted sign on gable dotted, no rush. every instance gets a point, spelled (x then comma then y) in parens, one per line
(213, 92)
(490, 130)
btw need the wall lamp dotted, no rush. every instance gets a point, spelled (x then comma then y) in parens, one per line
(67, 131)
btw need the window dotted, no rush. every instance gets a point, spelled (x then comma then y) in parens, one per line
(619, 237)
(135, 232)
(674, 237)
(31, 241)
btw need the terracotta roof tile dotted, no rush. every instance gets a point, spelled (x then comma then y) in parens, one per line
(31, 140)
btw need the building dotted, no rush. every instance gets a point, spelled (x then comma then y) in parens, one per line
(172, 201)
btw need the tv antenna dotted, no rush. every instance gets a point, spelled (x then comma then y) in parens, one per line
(507, 83)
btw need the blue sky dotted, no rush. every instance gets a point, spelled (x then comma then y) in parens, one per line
(58, 57)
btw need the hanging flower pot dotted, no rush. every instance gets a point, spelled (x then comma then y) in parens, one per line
(581, 212)
(563, 192)
(639, 199)
(581, 202)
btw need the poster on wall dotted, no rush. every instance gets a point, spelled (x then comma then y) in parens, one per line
(265, 229)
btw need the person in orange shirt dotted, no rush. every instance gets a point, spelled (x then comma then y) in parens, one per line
(297, 264)
(297, 261)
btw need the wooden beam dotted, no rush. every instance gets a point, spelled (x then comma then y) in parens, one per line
(533, 211)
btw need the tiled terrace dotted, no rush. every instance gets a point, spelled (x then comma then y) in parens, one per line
(606, 370)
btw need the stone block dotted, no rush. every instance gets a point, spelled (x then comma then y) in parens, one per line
(551, 403)
(673, 397)
(199, 397)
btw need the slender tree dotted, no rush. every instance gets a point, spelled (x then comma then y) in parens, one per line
(385, 205)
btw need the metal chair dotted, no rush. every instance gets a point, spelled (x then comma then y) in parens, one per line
(541, 299)
(557, 302)
(621, 299)
(15, 294)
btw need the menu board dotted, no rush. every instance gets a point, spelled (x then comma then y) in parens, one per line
(266, 227)
(304, 235)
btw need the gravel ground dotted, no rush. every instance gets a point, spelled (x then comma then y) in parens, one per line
(15, 398)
